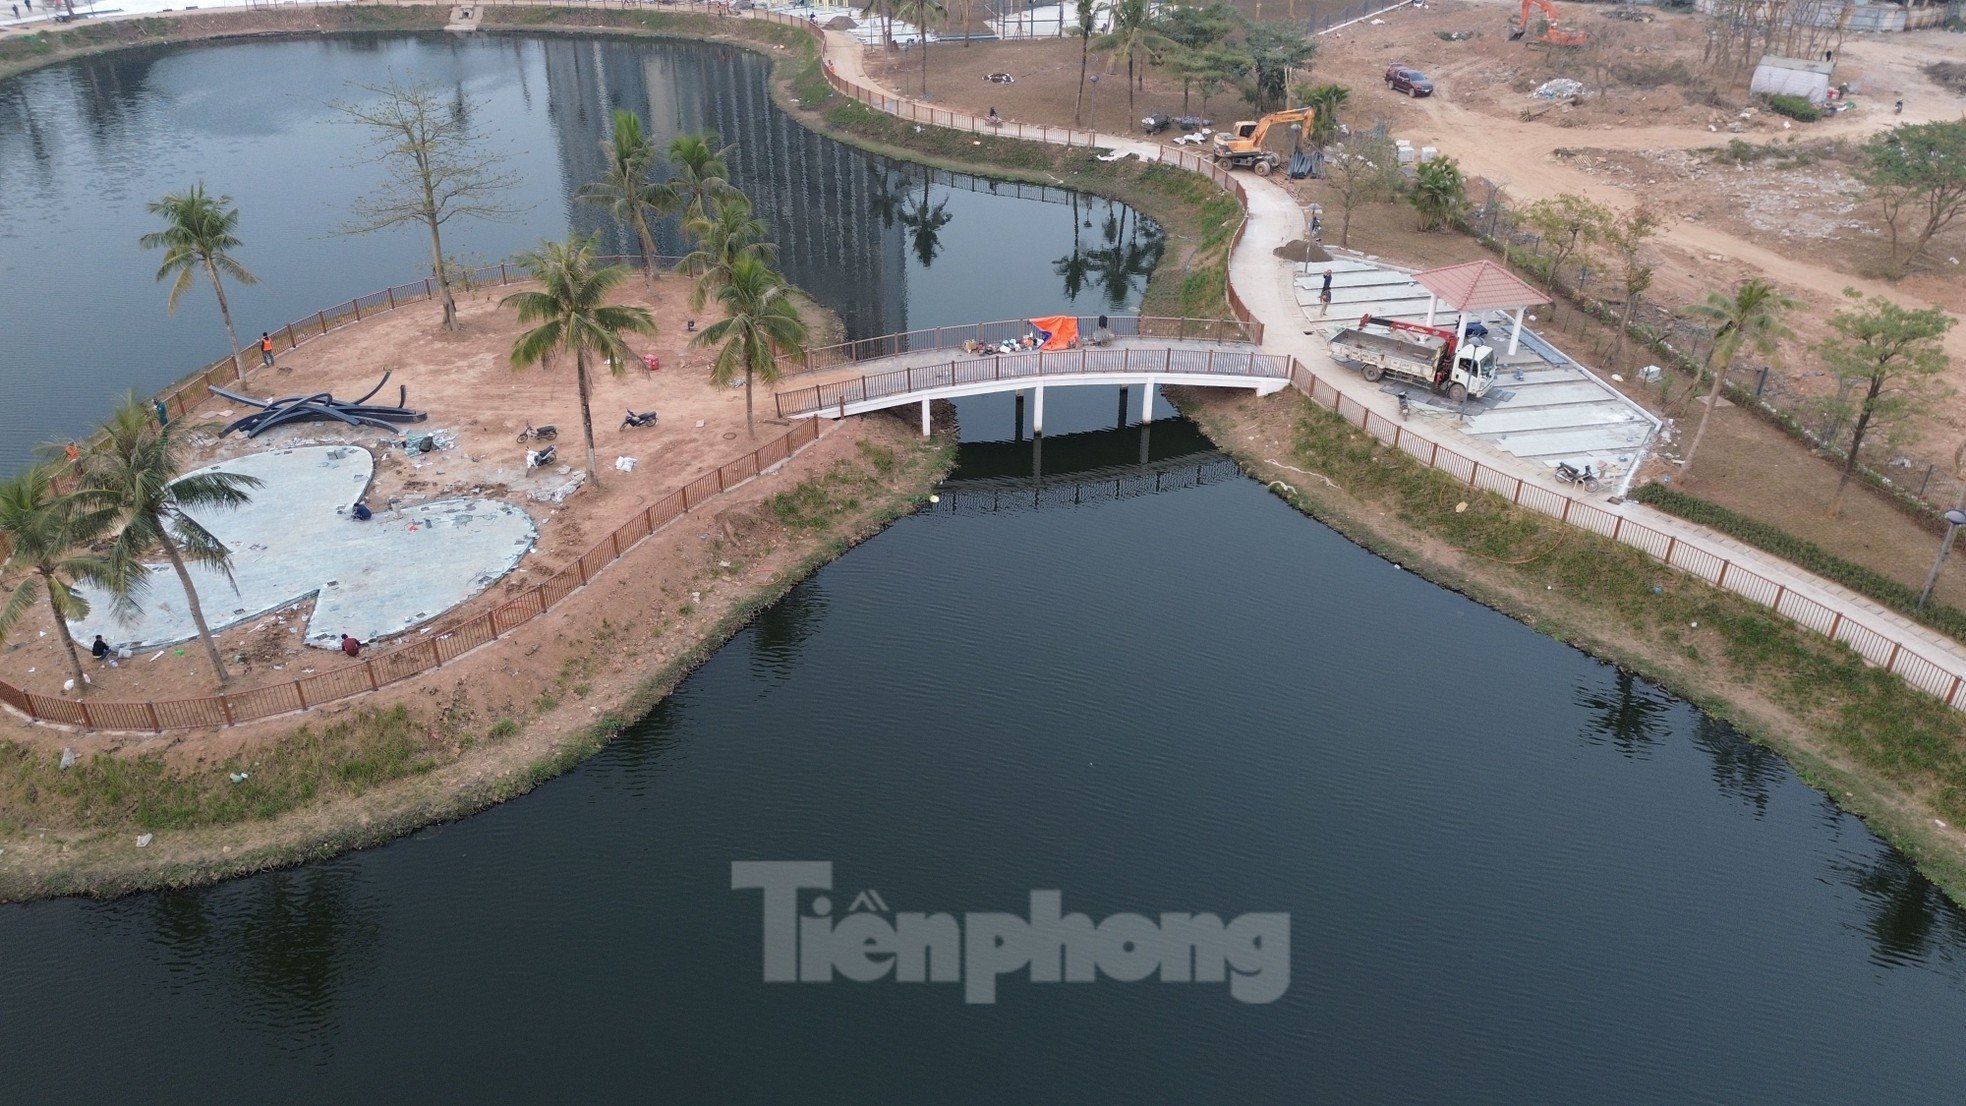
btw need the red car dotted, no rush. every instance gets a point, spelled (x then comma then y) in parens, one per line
(1399, 78)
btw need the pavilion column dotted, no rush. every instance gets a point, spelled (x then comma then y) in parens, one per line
(1432, 302)
(1515, 332)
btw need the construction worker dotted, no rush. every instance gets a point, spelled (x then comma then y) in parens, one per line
(265, 349)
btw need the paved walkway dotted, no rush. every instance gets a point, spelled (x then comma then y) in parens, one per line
(1265, 285)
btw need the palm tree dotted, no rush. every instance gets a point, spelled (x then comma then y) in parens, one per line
(1132, 35)
(198, 235)
(701, 178)
(885, 10)
(624, 188)
(134, 471)
(1325, 100)
(48, 534)
(759, 325)
(1087, 12)
(573, 316)
(921, 13)
(732, 233)
(1753, 316)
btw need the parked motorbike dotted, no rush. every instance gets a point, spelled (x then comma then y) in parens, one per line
(638, 418)
(540, 458)
(1566, 473)
(538, 433)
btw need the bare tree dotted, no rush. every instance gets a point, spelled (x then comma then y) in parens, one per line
(1362, 170)
(1570, 226)
(438, 169)
(1626, 242)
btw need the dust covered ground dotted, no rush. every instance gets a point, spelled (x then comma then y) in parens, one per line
(477, 404)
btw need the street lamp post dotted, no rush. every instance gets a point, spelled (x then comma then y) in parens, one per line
(1092, 106)
(1955, 518)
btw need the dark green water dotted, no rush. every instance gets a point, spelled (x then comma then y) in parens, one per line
(1513, 874)
(84, 147)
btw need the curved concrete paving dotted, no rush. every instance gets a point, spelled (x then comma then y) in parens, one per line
(295, 540)
(1264, 282)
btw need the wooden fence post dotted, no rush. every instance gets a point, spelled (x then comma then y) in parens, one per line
(151, 708)
(301, 694)
(369, 667)
(225, 707)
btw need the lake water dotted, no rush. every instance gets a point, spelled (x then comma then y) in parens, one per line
(84, 147)
(1106, 665)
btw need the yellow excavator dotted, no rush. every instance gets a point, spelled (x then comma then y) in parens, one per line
(1553, 33)
(1242, 146)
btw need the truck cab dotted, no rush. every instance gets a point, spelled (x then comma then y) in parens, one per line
(1474, 369)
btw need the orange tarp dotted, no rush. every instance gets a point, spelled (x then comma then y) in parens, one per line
(1060, 331)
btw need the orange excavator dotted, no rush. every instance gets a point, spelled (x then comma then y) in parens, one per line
(1242, 146)
(1553, 33)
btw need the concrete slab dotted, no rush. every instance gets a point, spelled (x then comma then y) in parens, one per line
(295, 539)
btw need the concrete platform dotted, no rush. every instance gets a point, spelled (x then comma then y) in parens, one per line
(295, 539)
(1545, 406)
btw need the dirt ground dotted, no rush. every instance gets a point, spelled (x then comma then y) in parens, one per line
(479, 403)
(1654, 136)
(495, 714)
(1647, 133)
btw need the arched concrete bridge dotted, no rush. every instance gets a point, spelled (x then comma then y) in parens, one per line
(923, 376)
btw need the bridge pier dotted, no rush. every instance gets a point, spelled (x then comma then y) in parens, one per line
(1122, 422)
(1147, 402)
(1037, 411)
(924, 418)
(1017, 417)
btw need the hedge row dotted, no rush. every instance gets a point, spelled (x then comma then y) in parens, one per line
(1795, 107)
(1899, 597)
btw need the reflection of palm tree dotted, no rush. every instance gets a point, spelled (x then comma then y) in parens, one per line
(1628, 717)
(1906, 910)
(1076, 266)
(1740, 767)
(886, 202)
(925, 222)
(1127, 254)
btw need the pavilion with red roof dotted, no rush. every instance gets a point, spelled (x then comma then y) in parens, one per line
(1476, 286)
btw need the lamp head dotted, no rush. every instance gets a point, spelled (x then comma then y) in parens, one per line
(1956, 517)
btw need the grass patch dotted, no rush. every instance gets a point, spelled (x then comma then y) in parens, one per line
(314, 762)
(1795, 107)
(820, 502)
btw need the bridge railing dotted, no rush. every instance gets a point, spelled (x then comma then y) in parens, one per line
(1009, 330)
(1029, 366)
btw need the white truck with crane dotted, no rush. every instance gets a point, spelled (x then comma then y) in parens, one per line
(1445, 364)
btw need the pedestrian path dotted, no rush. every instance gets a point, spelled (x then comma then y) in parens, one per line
(1264, 289)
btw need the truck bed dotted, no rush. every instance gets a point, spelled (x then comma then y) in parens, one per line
(1386, 346)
